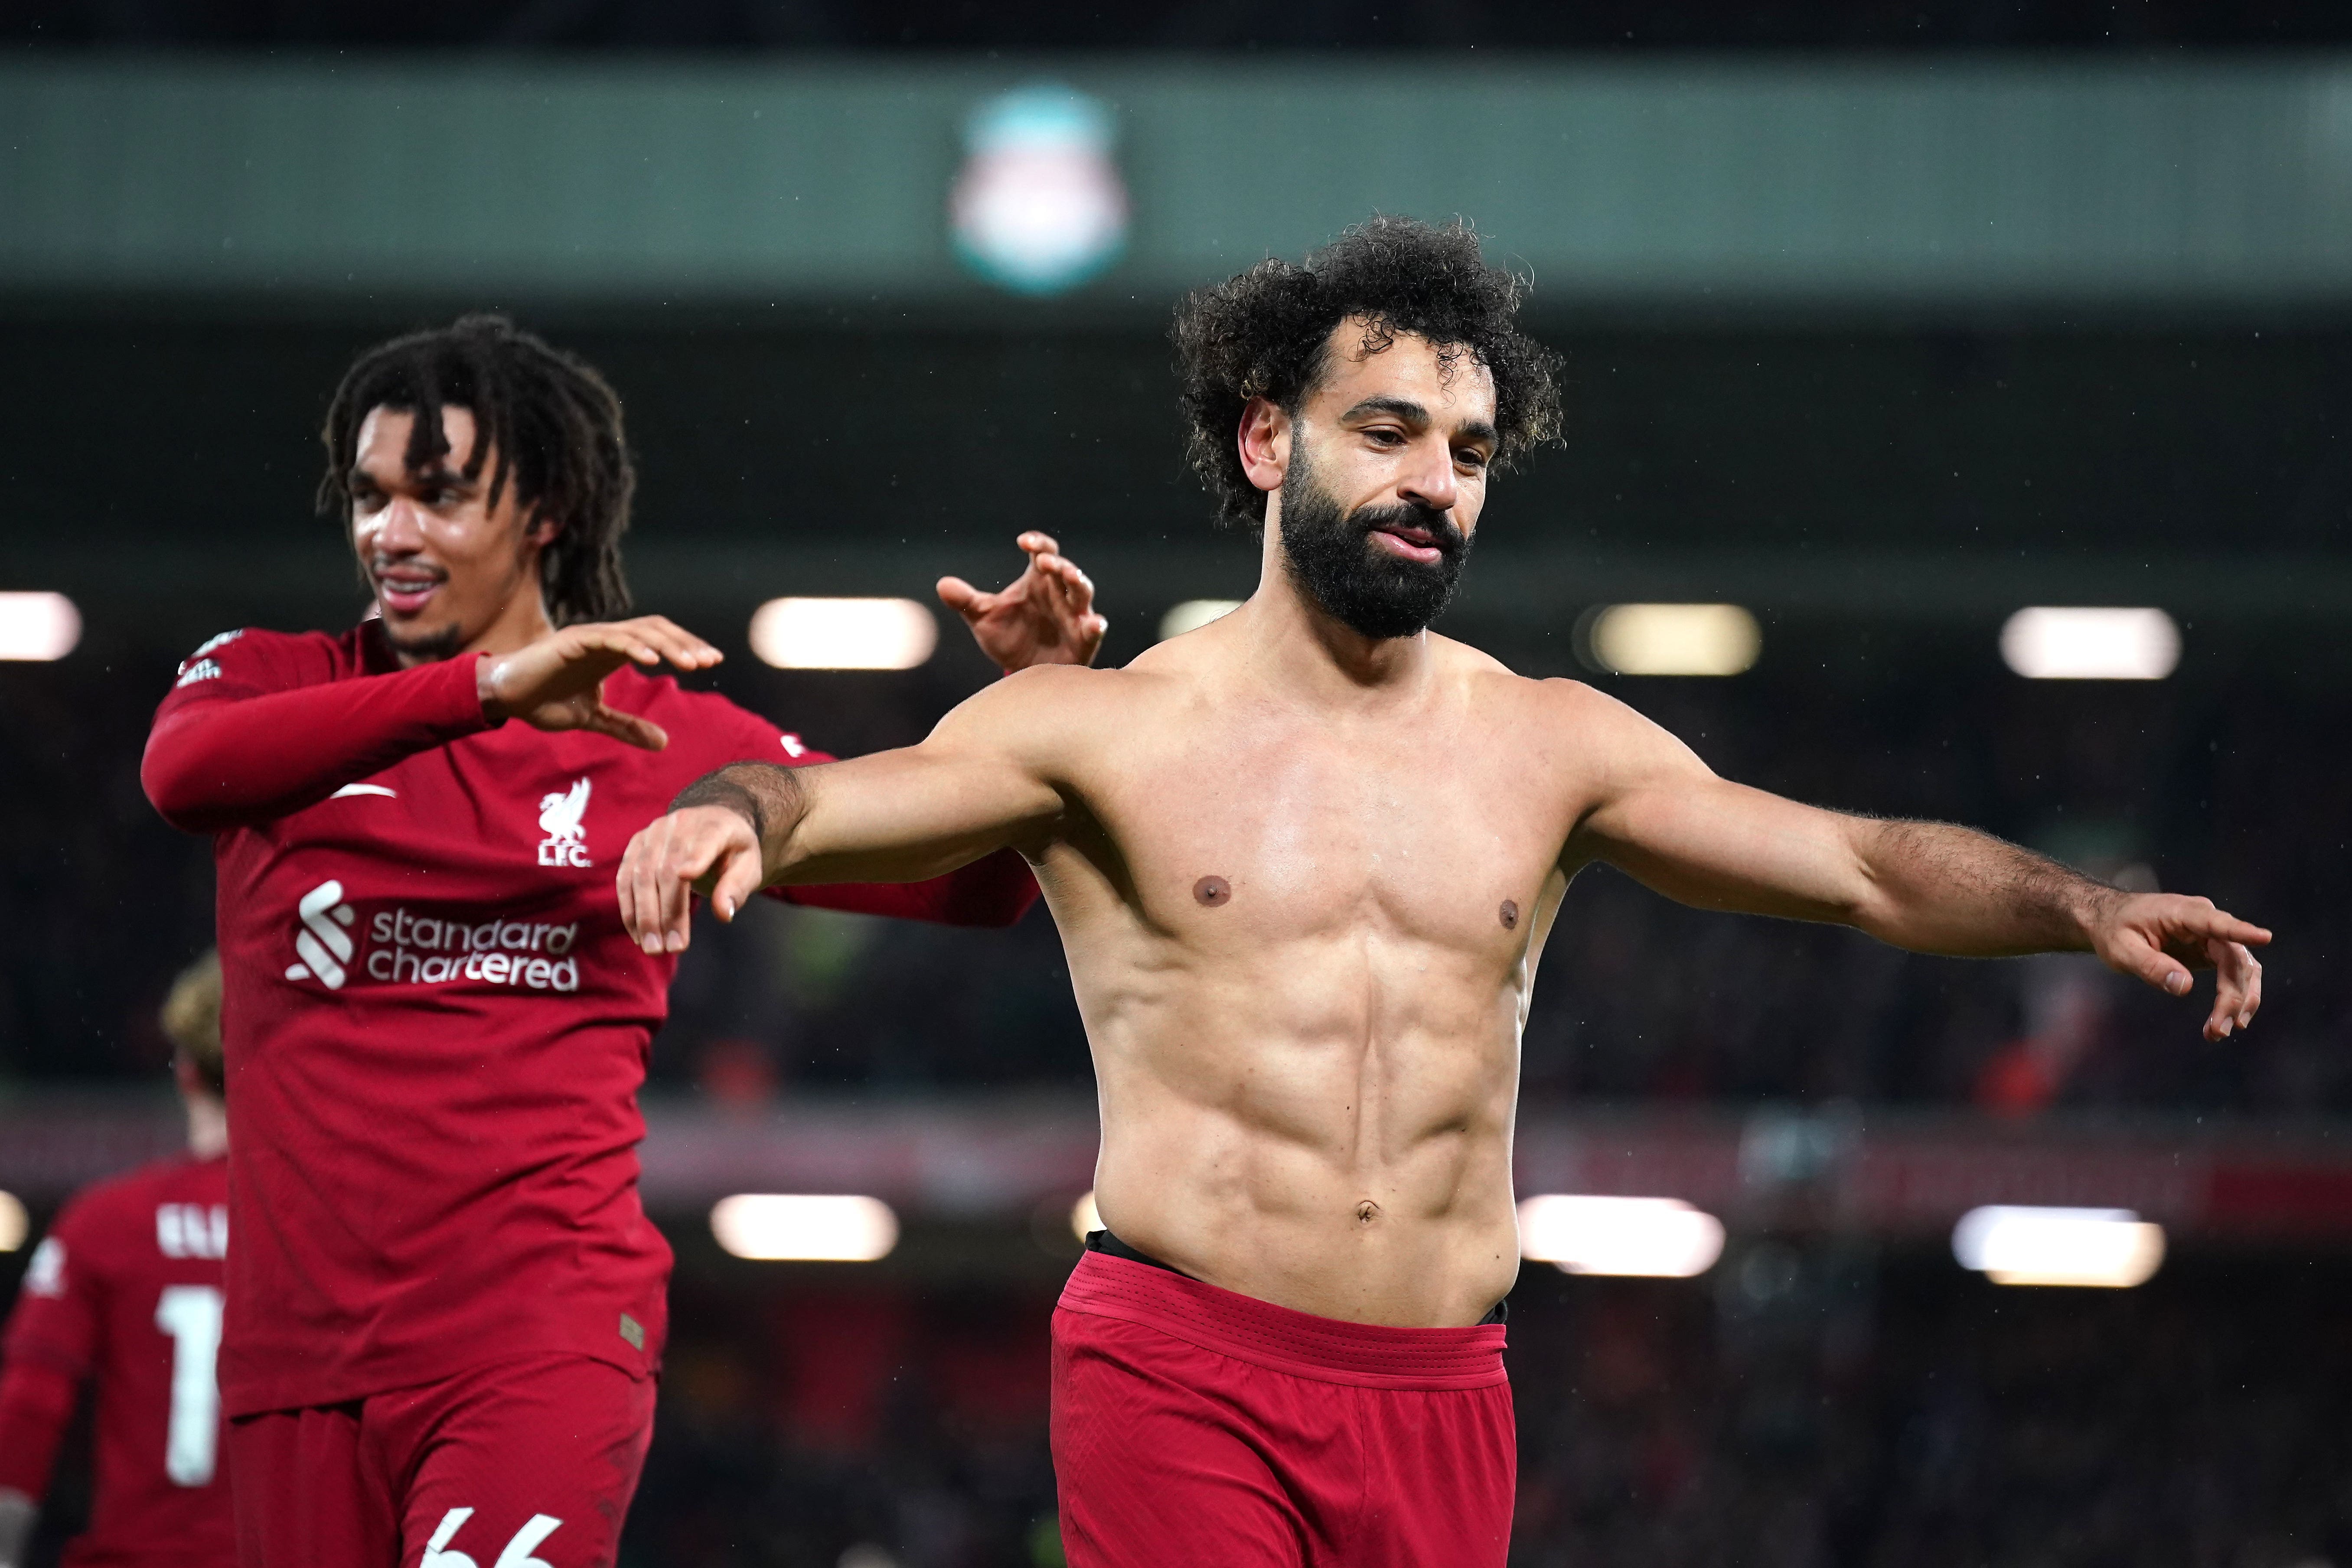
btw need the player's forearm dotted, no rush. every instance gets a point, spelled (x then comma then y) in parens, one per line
(1934, 888)
(221, 765)
(895, 816)
(993, 890)
(771, 798)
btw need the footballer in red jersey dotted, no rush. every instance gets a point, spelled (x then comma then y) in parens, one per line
(126, 1289)
(444, 1302)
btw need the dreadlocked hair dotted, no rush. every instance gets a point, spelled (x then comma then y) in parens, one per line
(1266, 333)
(551, 422)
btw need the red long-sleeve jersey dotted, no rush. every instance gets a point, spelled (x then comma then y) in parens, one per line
(435, 1026)
(126, 1288)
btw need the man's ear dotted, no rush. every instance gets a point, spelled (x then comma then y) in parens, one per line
(541, 530)
(1263, 439)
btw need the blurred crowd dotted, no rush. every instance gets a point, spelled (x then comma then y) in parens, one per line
(2210, 782)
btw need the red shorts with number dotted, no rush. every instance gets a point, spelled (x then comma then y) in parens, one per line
(516, 1463)
(1195, 1425)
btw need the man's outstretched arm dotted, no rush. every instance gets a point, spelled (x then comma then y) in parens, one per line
(1664, 818)
(904, 816)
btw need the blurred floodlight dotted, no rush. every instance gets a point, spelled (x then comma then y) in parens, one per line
(812, 1228)
(843, 633)
(1658, 1238)
(1038, 205)
(2048, 644)
(1673, 639)
(38, 625)
(1193, 615)
(14, 1224)
(2017, 1246)
(1084, 1218)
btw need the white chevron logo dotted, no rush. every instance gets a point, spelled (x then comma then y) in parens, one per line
(320, 941)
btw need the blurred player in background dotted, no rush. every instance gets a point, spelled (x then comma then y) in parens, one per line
(1303, 860)
(446, 1305)
(126, 1288)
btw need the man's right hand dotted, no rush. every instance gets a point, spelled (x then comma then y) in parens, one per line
(557, 683)
(707, 849)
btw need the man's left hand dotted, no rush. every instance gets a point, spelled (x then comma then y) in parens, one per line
(1046, 617)
(2160, 937)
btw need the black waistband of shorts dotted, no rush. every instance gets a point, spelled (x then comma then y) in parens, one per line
(1104, 1241)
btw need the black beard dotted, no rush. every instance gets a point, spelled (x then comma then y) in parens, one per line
(1329, 554)
(430, 648)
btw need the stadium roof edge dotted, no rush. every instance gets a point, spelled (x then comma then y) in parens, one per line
(2047, 185)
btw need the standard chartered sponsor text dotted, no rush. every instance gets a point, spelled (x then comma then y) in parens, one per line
(428, 949)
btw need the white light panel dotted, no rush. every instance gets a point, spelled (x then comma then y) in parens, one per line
(2048, 643)
(1084, 1218)
(1654, 1238)
(808, 1227)
(14, 1223)
(37, 626)
(2014, 1244)
(1675, 640)
(843, 634)
(1193, 615)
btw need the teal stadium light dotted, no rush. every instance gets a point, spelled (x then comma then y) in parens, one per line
(1038, 206)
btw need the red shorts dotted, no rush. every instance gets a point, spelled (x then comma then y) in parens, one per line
(516, 1464)
(1195, 1425)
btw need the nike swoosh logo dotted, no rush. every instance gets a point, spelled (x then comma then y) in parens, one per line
(363, 789)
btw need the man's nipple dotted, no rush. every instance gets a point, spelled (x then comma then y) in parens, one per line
(1212, 891)
(1509, 914)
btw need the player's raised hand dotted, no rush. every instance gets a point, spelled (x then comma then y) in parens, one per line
(558, 681)
(2161, 937)
(1046, 617)
(708, 850)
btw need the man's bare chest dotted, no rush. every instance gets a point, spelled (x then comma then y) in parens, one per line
(1273, 832)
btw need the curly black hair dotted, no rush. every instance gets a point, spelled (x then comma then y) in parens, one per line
(1266, 333)
(551, 420)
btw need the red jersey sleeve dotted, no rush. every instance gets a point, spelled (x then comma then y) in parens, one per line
(51, 1341)
(995, 891)
(251, 732)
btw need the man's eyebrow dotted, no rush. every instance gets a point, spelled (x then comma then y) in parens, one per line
(1414, 413)
(1403, 407)
(439, 475)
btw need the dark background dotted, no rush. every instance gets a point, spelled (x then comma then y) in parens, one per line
(188, 445)
(1321, 25)
(1821, 1399)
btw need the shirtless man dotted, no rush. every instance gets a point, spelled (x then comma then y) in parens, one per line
(1303, 860)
